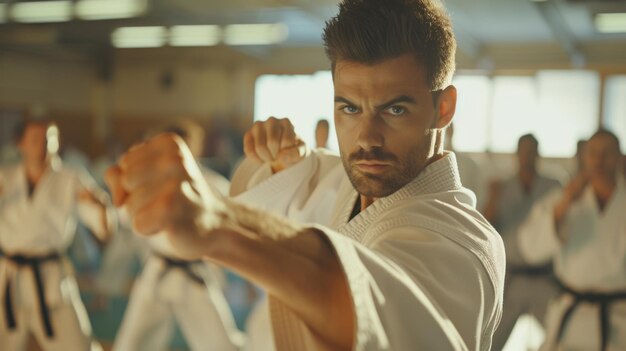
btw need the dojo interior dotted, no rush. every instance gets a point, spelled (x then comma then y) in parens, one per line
(111, 72)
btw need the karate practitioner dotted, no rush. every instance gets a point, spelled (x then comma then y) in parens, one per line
(40, 200)
(528, 287)
(470, 171)
(321, 133)
(172, 289)
(584, 228)
(399, 258)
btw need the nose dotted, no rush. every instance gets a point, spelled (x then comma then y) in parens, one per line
(370, 133)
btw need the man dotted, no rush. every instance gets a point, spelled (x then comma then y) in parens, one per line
(584, 228)
(528, 288)
(321, 133)
(39, 202)
(398, 259)
(172, 289)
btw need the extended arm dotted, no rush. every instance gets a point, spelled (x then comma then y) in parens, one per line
(162, 189)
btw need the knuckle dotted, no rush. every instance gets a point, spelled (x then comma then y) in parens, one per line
(287, 123)
(256, 126)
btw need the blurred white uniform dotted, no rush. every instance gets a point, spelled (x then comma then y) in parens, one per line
(591, 265)
(472, 176)
(528, 288)
(424, 268)
(172, 289)
(37, 287)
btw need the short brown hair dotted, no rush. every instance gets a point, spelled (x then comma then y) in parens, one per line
(370, 31)
(528, 137)
(607, 133)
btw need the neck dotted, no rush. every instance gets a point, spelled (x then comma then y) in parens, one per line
(603, 187)
(35, 169)
(366, 201)
(527, 175)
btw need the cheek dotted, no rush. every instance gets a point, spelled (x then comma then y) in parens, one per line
(345, 134)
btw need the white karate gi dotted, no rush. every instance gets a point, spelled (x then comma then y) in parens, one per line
(164, 294)
(424, 268)
(528, 288)
(41, 225)
(592, 259)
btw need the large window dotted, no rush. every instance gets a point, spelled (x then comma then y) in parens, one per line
(558, 107)
(568, 109)
(303, 98)
(513, 111)
(615, 107)
(471, 117)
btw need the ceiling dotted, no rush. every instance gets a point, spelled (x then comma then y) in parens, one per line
(491, 33)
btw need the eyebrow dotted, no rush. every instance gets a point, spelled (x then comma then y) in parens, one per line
(383, 106)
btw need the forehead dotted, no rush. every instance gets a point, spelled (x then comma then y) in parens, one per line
(402, 73)
(35, 128)
(527, 143)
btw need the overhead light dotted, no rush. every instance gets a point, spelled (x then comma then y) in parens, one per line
(139, 37)
(109, 9)
(611, 22)
(42, 11)
(195, 35)
(255, 34)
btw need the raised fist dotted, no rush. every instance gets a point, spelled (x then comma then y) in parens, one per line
(162, 189)
(274, 141)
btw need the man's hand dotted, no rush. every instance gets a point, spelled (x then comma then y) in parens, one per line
(162, 189)
(274, 141)
(571, 193)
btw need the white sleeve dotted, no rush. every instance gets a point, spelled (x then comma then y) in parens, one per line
(305, 192)
(537, 239)
(215, 180)
(409, 292)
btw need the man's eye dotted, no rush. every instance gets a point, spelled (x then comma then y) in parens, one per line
(396, 110)
(350, 110)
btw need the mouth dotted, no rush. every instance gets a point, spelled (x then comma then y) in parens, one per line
(372, 167)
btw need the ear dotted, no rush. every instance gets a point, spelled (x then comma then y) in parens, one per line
(446, 106)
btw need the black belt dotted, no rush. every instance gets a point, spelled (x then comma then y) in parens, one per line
(183, 265)
(34, 262)
(604, 301)
(545, 270)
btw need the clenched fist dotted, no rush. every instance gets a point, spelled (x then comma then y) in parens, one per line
(274, 141)
(162, 188)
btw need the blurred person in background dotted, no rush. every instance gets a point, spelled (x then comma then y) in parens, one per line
(40, 201)
(173, 289)
(576, 166)
(471, 174)
(582, 228)
(527, 287)
(322, 128)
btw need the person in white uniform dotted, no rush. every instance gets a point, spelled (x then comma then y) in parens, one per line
(172, 288)
(528, 288)
(583, 227)
(40, 201)
(380, 249)
(471, 172)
